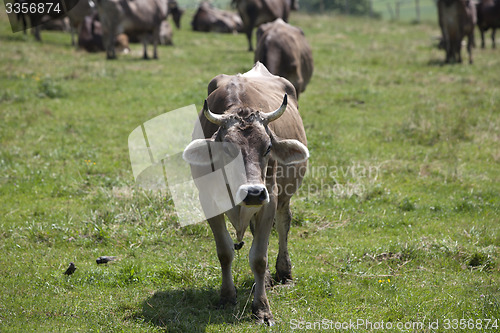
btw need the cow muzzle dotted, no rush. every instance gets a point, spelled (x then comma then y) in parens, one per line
(252, 195)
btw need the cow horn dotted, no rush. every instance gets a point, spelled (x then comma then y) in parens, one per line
(217, 119)
(279, 112)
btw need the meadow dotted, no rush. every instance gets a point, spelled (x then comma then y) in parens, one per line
(398, 220)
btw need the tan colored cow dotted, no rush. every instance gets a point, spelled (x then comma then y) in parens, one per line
(284, 50)
(256, 12)
(208, 18)
(243, 115)
(138, 17)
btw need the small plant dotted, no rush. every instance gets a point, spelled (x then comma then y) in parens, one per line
(47, 87)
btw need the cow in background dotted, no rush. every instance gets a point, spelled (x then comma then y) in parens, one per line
(208, 18)
(256, 12)
(284, 50)
(457, 19)
(488, 16)
(242, 115)
(141, 17)
(90, 36)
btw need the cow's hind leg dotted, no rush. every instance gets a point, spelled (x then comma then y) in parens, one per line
(156, 39)
(493, 37)
(283, 263)
(145, 48)
(470, 42)
(225, 252)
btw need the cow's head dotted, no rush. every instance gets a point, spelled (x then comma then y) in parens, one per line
(245, 131)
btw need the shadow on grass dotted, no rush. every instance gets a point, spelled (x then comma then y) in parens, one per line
(192, 310)
(436, 62)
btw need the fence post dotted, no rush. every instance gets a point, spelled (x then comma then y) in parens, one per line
(389, 8)
(417, 8)
(397, 9)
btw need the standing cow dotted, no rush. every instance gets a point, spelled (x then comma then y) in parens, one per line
(488, 16)
(284, 50)
(243, 115)
(457, 19)
(140, 17)
(256, 12)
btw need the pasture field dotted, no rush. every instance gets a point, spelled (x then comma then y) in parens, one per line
(398, 220)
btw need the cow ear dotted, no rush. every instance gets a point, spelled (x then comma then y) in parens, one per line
(198, 153)
(289, 151)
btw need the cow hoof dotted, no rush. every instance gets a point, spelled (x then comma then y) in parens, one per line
(284, 278)
(263, 317)
(228, 299)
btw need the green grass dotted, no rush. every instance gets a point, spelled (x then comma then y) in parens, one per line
(397, 221)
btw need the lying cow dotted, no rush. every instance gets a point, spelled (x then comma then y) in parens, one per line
(242, 114)
(208, 18)
(488, 16)
(256, 12)
(90, 36)
(141, 17)
(457, 19)
(284, 50)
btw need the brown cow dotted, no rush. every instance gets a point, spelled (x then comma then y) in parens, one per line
(242, 114)
(457, 19)
(208, 18)
(142, 17)
(256, 12)
(488, 16)
(284, 50)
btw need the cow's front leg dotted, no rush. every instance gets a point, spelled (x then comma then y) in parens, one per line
(258, 263)
(225, 252)
(283, 263)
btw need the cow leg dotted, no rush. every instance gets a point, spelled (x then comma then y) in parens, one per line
(145, 48)
(283, 263)
(225, 252)
(493, 37)
(482, 38)
(156, 39)
(470, 42)
(249, 37)
(258, 262)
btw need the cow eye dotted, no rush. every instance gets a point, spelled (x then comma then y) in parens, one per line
(268, 150)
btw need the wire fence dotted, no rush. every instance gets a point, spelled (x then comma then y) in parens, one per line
(404, 10)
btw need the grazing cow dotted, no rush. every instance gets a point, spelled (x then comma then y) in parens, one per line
(207, 18)
(79, 9)
(175, 12)
(284, 50)
(488, 16)
(256, 12)
(142, 17)
(457, 19)
(243, 115)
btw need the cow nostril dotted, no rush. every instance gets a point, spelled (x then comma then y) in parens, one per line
(263, 195)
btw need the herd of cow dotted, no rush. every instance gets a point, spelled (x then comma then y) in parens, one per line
(255, 114)
(457, 19)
